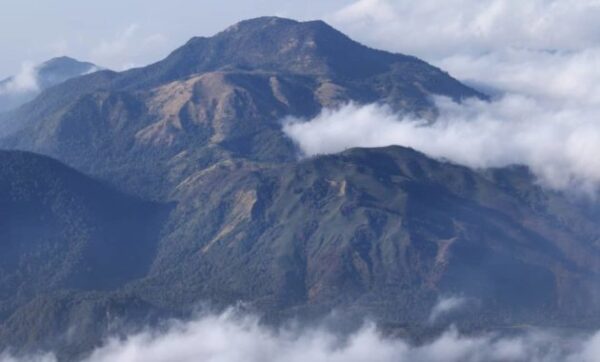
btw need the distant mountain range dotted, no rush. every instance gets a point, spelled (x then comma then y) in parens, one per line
(16, 91)
(195, 194)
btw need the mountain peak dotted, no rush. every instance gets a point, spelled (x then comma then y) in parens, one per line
(270, 23)
(283, 28)
(65, 64)
(288, 33)
(261, 22)
(42, 76)
(61, 60)
(273, 44)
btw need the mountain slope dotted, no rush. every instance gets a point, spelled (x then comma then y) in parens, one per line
(60, 230)
(219, 98)
(43, 76)
(49, 208)
(385, 231)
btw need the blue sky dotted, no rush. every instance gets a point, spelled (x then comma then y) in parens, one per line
(122, 33)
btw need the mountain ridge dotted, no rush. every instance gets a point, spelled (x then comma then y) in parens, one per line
(381, 232)
(220, 98)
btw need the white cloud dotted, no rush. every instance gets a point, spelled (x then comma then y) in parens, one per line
(537, 47)
(560, 144)
(542, 56)
(126, 49)
(23, 82)
(591, 349)
(571, 79)
(435, 29)
(5, 357)
(445, 306)
(116, 46)
(231, 337)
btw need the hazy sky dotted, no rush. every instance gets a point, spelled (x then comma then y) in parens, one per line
(122, 33)
(119, 34)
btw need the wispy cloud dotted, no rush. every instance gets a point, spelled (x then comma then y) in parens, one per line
(446, 306)
(23, 82)
(126, 47)
(435, 29)
(117, 46)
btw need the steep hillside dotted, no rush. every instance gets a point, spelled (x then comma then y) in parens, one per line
(60, 230)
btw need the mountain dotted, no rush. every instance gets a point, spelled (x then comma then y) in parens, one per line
(62, 231)
(55, 71)
(218, 98)
(383, 233)
(174, 185)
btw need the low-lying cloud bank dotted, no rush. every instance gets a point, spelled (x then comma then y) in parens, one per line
(540, 58)
(560, 144)
(232, 338)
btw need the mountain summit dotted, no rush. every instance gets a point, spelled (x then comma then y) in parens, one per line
(60, 69)
(219, 98)
(22, 88)
(280, 45)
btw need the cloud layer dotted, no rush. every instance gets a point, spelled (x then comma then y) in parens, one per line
(231, 337)
(560, 144)
(539, 58)
(434, 29)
